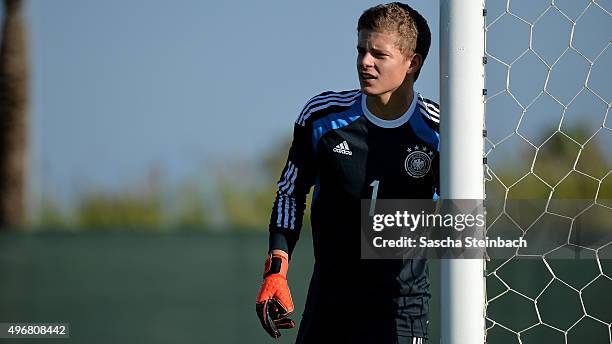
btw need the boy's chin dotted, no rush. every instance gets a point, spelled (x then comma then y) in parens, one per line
(369, 91)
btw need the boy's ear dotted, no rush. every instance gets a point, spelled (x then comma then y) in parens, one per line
(416, 60)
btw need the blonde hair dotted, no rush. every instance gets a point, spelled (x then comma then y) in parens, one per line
(396, 17)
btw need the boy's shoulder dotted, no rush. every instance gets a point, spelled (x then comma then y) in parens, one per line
(430, 111)
(327, 103)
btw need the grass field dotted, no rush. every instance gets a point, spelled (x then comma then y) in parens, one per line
(181, 287)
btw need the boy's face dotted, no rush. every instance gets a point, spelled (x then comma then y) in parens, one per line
(381, 66)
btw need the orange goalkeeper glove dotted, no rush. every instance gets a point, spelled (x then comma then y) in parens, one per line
(274, 304)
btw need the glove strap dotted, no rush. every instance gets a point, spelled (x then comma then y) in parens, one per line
(276, 263)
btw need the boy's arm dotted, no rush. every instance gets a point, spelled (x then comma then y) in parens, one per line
(297, 177)
(274, 304)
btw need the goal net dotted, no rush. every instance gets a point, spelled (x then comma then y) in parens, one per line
(548, 171)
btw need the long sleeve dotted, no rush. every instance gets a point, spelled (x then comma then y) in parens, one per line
(294, 184)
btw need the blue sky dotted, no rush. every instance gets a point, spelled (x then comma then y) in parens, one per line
(121, 86)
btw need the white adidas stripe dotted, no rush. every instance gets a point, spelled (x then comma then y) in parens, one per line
(287, 174)
(292, 182)
(289, 201)
(288, 179)
(323, 105)
(332, 94)
(430, 102)
(429, 107)
(427, 100)
(287, 206)
(432, 108)
(347, 102)
(428, 115)
(324, 98)
(279, 206)
(293, 214)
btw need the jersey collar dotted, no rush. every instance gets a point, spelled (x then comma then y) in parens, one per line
(383, 123)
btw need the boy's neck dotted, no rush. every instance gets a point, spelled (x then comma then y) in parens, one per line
(391, 105)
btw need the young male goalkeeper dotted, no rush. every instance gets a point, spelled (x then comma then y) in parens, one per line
(345, 144)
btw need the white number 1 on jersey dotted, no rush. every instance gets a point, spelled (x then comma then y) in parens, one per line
(373, 199)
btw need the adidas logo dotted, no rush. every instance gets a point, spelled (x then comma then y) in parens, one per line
(343, 148)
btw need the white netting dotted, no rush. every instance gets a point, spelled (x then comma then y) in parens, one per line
(549, 140)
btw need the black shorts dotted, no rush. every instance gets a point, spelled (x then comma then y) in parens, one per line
(345, 316)
(320, 329)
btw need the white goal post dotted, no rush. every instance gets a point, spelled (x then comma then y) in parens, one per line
(461, 151)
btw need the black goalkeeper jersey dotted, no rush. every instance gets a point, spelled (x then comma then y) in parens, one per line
(345, 152)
